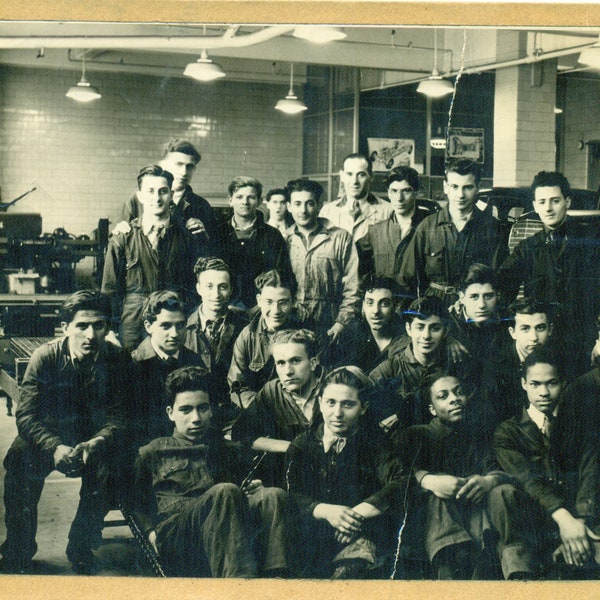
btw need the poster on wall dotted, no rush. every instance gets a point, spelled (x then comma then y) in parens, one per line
(387, 153)
(465, 143)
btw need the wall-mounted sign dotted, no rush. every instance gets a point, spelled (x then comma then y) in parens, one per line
(438, 143)
(465, 143)
(387, 153)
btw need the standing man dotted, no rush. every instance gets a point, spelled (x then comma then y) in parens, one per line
(382, 248)
(324, 261)
(153, 255)
(357, 208)
(193, 212)
(70, 418)
(247, 244)
(447, 243)
(559, 265)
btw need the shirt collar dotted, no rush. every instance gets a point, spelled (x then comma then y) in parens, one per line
(538, 417)
(203, 319)
(238, 228)
(147, 227)
(161, 354)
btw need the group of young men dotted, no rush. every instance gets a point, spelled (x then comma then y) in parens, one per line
(361, 389)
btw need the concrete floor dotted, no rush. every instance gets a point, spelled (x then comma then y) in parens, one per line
(118, 554)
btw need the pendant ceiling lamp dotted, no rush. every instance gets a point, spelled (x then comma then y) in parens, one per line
(204, 69)
(320, 34)
(84, 91)
(436, 86)
(290, 104)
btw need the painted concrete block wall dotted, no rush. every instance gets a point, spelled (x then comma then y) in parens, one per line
(84, 158)
(524, 124)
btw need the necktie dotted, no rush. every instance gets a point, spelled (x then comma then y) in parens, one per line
(355, 210)
(213, 330)
(171, 363)
(547, 426)
(154, 235)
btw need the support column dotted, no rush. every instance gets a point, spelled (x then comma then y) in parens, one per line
(524, 120)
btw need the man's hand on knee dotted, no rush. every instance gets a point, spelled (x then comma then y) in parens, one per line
(66, 462)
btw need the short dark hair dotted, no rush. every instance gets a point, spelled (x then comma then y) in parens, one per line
(278, 192)
(210, 263)
(371, 281)
(531, 306)
(478, 273)
(353, 377)
(544, 356)
(425, 307)
(154, 171)
(551, 179)
(85, 300)
(305, 185)
(431, 378)
(403, 174)
(186, 379)
(464, 166)
(241, 181)
(157, 301)
(183, 146)
(297, 336)
(273, 278)
(363, 157)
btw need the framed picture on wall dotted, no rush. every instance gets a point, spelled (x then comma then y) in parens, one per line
(465, 143)
(387, 153)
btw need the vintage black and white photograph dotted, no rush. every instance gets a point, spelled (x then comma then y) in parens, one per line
(299, 302)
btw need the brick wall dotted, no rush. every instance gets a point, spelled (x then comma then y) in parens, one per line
(84, 157)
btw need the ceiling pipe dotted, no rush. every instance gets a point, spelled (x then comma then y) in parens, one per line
(227, 40)
(529, 59)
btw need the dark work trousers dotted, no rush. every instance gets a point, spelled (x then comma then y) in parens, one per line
(507, 513)
(212, 535)
(26, 470)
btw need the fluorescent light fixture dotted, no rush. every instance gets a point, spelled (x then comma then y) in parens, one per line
(84, 91)
(320, 34)
(204, 69)
(557, 110)
(290, 104)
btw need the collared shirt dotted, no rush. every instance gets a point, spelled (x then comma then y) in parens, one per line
(372, 210)
(148, 227)
(307, 240)
(305, 404)
(538, 417)
(329, 439)
(163, 355)
(204, 319)
(238, 228)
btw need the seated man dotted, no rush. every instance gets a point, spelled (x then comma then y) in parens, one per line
(343, 482)
(154, 254)
(530, 328)
(368, 341)
(474, 319)
(285, 407)
(400, 376)
(553, 453)
(462, 496)
(158, 355)
(252, 364)
(70, 418)
(214, 326)
(189, 501)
